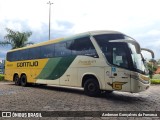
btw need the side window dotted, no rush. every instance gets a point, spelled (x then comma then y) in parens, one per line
(17, 55)
(34, 53)
(47, 51)
(11, 56)
(119, 56)
(61, 49)
(83, 46)
(14, 56)
(23, 54)
(107, 52)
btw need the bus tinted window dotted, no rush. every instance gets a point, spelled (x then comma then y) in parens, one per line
(12, 56)
(22, 54)
(119, 55)
(116, 53)
(61, 49)
(47, 51)
(80, 46)
(15, 56)
(34, 53)
(83, 46)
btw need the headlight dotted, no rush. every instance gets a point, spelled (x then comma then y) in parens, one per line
(144, 79)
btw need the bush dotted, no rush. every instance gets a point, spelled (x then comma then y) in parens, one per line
(1, 77)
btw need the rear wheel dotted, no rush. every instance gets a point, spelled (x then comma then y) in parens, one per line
(24, 80)
(91, 87)
(16, 80)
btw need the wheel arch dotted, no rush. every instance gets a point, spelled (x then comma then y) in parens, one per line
(23, 74)
(87, 76)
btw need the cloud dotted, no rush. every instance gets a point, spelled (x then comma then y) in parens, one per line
(138, 19)
(60, 29)
(3, 51)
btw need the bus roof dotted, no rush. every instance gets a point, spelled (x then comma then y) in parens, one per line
(97, 32)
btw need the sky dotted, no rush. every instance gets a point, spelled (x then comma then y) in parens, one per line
(139, 19)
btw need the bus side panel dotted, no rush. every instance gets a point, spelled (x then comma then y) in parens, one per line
(98, 72)
(27, 67)
(69, 78)
(10, 70)
(36, 70)
(108, 78)
(54, 69)
(9, 74)
(87, 65)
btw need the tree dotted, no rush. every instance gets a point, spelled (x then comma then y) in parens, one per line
(16, 39)
(152, 68)
(158, 61)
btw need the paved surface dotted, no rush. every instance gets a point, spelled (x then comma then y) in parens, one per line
(50, 98)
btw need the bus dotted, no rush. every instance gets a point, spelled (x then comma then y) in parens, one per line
(96, 61)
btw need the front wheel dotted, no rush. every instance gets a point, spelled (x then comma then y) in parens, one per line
(91, 87)
(24, 80)
(108, 91)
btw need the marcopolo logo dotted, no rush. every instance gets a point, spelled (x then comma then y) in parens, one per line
(27, 64)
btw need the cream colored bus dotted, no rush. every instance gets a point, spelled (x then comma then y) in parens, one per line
(96, 61)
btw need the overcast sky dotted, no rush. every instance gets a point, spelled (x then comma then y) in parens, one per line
(139, 19)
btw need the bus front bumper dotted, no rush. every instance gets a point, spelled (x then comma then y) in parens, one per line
(138, 86)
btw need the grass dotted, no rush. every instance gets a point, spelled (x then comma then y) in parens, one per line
(1, 77)
(155, 81)
(156, 76)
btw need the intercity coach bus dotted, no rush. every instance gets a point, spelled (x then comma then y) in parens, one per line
(96, 61)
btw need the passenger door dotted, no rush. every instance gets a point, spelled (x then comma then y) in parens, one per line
(120, 67)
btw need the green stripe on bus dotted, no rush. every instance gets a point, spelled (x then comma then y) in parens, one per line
(55, 68)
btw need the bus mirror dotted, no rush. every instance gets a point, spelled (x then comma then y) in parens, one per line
(148, 50)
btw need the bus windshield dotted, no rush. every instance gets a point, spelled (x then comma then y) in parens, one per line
(120, 53)
(137, 59)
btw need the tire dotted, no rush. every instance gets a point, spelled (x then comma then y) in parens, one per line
(108, 91)
(91, 87)
(17, 80)
(24, 80)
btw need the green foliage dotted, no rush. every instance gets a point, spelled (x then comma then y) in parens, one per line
(156, 76)
(1, 77)
(16, 39)
(155, 81)
(152, 68)
(158, 61)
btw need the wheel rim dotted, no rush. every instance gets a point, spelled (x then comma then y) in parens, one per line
(16, 80)
(23, 80)
(91, 87)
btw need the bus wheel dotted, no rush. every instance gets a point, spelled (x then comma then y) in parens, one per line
(23, 80)
(16, 80)
(91, 87)
(108, 91)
